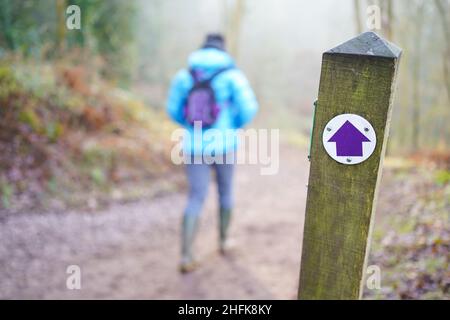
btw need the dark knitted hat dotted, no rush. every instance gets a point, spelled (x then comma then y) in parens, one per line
(214, 40)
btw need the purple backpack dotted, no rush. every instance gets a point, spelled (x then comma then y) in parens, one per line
(201, 105)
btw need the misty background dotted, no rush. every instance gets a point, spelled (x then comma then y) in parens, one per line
(279, 46)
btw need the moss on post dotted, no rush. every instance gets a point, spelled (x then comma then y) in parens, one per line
(357, 77)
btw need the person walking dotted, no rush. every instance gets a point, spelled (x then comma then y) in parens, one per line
(210, 98)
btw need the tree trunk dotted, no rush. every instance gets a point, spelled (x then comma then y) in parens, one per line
(416, 78)
(234, 23)
(357, 12)
(443, 14)
(386, 8)
(61, 7)
(389, 20)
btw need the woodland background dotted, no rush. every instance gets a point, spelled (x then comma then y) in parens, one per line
(82, 121)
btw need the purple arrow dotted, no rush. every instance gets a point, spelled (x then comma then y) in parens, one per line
(348, 141)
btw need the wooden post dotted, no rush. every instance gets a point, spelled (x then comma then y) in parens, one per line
(358, 77)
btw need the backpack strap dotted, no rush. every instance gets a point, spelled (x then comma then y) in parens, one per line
(218, 72)
(195, 75)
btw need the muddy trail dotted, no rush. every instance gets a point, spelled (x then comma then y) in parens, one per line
(131, 251)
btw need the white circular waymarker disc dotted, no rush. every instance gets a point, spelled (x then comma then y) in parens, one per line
(349, 139)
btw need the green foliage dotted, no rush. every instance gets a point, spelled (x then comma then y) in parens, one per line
(26, 25)
(37, 28)
(97, 156)
(6, 192)
(98, 176)
(52, 185)
(30, 118)
(53, 131)
(8, 84)
(108, 29)
(442, 177)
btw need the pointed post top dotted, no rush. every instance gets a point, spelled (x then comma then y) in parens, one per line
(368, 44)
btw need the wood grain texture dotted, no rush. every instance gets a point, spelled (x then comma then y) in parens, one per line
(341, 198)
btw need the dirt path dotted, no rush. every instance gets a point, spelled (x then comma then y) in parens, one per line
(131, 251)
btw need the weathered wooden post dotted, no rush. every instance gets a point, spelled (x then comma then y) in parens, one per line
(348, 144)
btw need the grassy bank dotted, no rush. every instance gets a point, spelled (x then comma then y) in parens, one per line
(69, 138)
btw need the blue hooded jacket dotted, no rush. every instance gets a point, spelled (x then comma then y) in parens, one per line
(233, 94)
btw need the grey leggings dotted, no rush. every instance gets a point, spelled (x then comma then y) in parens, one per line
(198, 177)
